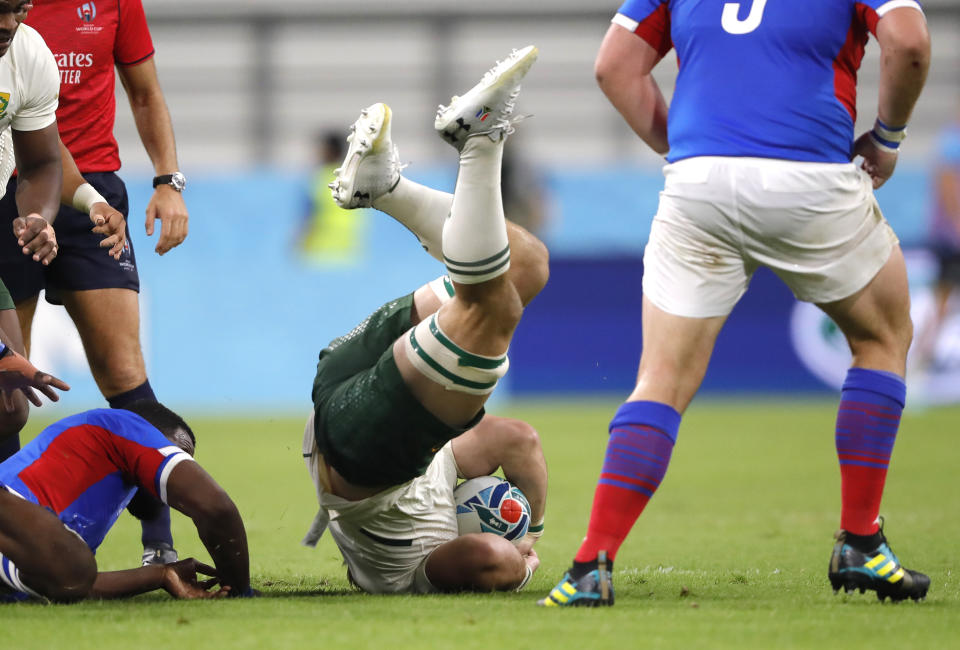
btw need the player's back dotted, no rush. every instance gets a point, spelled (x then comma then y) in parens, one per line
(764, 78)
(87, 467)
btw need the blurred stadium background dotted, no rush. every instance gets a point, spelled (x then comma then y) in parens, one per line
(234, 318)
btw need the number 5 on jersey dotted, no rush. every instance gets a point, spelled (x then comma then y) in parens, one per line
(731, 22)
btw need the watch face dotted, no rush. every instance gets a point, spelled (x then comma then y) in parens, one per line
(179, 181)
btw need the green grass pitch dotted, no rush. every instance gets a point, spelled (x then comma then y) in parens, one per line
(732, 551)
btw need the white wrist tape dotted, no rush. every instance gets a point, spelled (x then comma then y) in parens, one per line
(85, 197)
(526, 579)
(888, 138)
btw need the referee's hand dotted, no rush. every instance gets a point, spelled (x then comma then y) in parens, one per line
(167, 205)
(111, 224)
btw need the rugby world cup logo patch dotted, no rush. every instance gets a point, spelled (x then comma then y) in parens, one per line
(87, 12)
(4, 102)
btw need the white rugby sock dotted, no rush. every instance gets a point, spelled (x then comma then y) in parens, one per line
(421, 209)
(475, 246)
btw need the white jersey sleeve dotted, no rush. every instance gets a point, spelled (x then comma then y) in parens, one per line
(38, 79)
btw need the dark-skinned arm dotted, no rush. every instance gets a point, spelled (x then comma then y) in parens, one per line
(192, 491)
(39, 185)
(178, 579)
(18, 374)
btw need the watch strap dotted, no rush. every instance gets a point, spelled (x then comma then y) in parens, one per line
(168, 179)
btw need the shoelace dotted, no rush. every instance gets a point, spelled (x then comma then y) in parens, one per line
(506, 124)
(508, 104)
(395, 167)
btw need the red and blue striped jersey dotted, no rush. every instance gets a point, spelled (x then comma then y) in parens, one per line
(762, 78)
(86, 468)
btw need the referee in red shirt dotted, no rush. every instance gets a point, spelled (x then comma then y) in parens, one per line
(89, 39)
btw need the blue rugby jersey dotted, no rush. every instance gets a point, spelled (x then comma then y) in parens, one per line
(86, 468)
(762, 78)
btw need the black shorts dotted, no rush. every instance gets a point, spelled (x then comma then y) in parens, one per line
(80, 263)
(368, 424)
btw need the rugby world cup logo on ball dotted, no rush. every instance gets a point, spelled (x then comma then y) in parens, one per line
(488, 504)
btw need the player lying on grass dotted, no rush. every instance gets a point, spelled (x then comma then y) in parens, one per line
(86, 469)
(399, 401)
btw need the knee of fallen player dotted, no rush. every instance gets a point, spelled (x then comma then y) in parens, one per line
(530, 266)
(521, 436)
(496, 310)
(491, 563)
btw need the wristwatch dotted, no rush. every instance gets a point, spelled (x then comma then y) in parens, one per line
(176, 180)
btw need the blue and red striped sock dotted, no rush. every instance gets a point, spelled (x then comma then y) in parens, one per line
(642, 435)
(867, 422)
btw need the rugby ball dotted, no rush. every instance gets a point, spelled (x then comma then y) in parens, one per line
(490, 504)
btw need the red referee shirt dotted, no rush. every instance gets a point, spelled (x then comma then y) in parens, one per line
(88, 38)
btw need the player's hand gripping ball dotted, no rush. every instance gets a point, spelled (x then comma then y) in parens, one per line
(489, 504)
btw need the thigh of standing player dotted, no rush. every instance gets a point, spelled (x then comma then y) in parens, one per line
(99, 292)
(876, 319)
(101, 295)
(694, 273)
(831, 245)
(817, 226)
(108, 321)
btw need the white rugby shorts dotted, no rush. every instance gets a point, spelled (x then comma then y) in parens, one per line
(386, 539)
(816, 225)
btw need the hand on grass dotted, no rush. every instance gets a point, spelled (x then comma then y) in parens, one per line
(532, 560)
(180, 580)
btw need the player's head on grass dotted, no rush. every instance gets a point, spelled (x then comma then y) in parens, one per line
(143, 506)
(167, 422)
